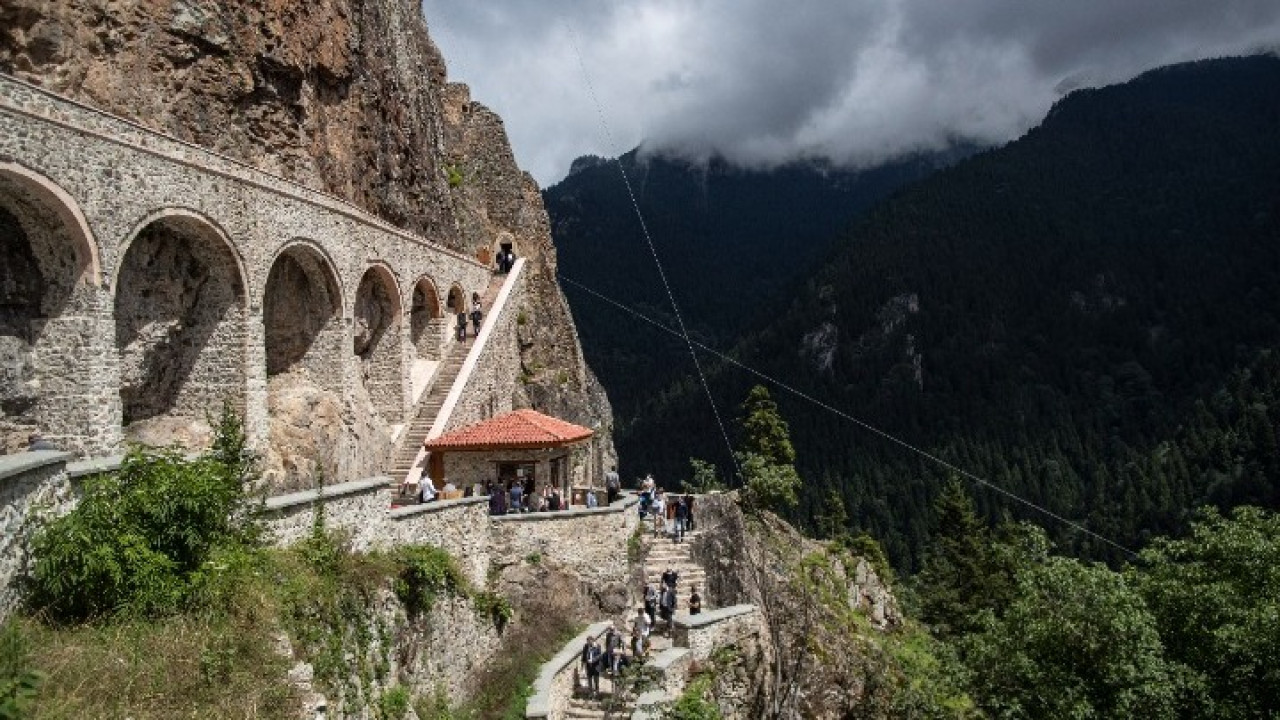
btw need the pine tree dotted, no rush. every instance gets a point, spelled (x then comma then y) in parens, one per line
(767, 458)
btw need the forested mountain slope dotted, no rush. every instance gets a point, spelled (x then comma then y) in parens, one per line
(1082, 317)
(730, 240)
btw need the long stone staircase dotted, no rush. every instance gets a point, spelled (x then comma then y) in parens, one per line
(432, 401)
(661, 553)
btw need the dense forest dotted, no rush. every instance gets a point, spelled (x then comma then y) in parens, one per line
(1087, 317)
(731, 242)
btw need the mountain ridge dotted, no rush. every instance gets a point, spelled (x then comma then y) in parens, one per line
(1078, 291)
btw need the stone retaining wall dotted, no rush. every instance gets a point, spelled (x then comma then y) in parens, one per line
(704, 632)
(357, 508)
(593, 542)
(30, 483)
(554, 687)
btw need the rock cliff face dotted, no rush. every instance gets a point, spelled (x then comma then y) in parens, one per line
(348, 97)
(825, 609)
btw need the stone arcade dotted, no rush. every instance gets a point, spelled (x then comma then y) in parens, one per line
(144, 281)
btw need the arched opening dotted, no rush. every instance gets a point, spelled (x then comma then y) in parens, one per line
(457, 300)
(426, 322)
(180, 330)
(301, 315)
(305, 353)
(48, 274)
(377, 342)
(503, 252)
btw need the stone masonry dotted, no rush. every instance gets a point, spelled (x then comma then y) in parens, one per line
(158, 259)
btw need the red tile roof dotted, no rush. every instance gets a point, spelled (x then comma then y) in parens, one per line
(521, 429)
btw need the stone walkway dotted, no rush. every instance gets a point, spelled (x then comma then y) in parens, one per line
(662, 553)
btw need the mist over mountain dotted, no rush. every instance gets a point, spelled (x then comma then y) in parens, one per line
(730, 240)
(1086, 317)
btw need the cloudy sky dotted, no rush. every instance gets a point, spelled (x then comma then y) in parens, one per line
(761, 82)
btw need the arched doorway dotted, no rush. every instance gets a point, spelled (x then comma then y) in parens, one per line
(377, 342)
(426, 321)
(48, 300)
(179, 330)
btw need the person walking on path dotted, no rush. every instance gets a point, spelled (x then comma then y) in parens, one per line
(592, 657)
(659, 512)
(682, 516)
(612, 485)
(695, 602)
(476, 314)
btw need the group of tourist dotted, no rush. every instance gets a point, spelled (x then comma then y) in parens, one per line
(520, 499)
(613, 658)
(656, 503)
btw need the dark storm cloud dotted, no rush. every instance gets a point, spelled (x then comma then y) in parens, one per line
(855, 81)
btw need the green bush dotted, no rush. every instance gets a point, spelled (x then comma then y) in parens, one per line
(693, 703)
(426, 572)
(496, 608)
(18, 681)
(394, 703)
(140, 535)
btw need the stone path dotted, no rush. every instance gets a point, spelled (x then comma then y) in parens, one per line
(664, 554)
(433, 400)
(661, 553)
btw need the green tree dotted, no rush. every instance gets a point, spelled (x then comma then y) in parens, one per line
(766, 457)
(957, 578)
(1216, 599)
(764, 432)
(1076, 641)
(704, 477)
(832, 517)
(768, 486)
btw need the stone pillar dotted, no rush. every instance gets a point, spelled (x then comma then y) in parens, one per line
(257, 427)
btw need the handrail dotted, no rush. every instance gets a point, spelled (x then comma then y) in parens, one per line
(477, 349)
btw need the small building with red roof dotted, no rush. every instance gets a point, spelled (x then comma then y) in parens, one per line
(522, 446)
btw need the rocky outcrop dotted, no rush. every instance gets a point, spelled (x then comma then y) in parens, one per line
(348, 98)
(825, 609)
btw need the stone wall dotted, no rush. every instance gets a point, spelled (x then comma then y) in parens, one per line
(704, 632)
(461, 527)
(105, 185)
(31, 484)
(593, 543)
(553, 688)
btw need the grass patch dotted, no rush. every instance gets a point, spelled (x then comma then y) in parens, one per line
(505, 684)
(193, 665)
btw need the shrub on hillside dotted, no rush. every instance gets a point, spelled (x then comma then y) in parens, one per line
(139, 535)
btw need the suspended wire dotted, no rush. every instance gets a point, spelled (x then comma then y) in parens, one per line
(860, 423)
(675, 307)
